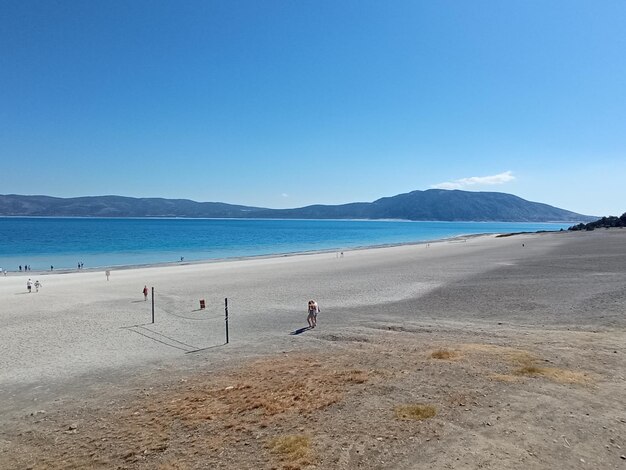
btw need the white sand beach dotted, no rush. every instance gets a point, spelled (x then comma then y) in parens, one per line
(79, 322)
(559, 296)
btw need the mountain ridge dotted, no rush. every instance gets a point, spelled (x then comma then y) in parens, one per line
(431, 204)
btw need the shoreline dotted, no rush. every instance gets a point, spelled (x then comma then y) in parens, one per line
(125, 267)
(136, 243)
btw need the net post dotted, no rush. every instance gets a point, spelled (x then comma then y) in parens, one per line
(153, 305)
(226, 316)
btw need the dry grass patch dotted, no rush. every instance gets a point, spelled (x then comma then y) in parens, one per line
(530, 370)
(294, 451)
(504, 377)
(444, 354)
(264, 389)
(208, 413)
(554, 373)
(567, 376)
(356, 376)
(416, 412)
(523, 358)
(527, 365)
(515, 355)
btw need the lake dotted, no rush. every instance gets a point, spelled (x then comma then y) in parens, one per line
(100, 242)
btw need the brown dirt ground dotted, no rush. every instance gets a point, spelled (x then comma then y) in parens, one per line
(502, 400)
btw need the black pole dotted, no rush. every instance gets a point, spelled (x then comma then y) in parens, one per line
(226, 313)
(153, 305)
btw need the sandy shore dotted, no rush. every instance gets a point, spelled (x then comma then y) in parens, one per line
(561, 296)
(78, 322)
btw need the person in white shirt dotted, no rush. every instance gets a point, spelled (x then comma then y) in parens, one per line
(314, 309)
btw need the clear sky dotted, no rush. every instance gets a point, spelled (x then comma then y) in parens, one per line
(289, 103)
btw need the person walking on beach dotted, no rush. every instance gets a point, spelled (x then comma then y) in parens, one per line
(145, 293)
(37, 285)
(314, 309)
(107, 273)
(29, 286)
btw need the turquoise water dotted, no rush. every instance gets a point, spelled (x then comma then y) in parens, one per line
(64, 242)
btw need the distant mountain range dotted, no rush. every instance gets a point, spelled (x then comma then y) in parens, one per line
(432, 204)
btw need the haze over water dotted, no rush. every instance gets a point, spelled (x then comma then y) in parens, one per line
(100, 242)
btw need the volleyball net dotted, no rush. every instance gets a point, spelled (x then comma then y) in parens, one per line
(185, 324)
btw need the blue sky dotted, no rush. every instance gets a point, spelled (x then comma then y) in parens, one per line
(290, 103)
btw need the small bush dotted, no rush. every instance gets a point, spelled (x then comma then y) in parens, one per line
(415, 412)
(443, 354)
(293, 450)
(530, 370)
(356, 376)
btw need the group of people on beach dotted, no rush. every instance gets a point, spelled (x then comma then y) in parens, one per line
(313, 308)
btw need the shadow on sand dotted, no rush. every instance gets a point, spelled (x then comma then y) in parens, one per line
(300, 330)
